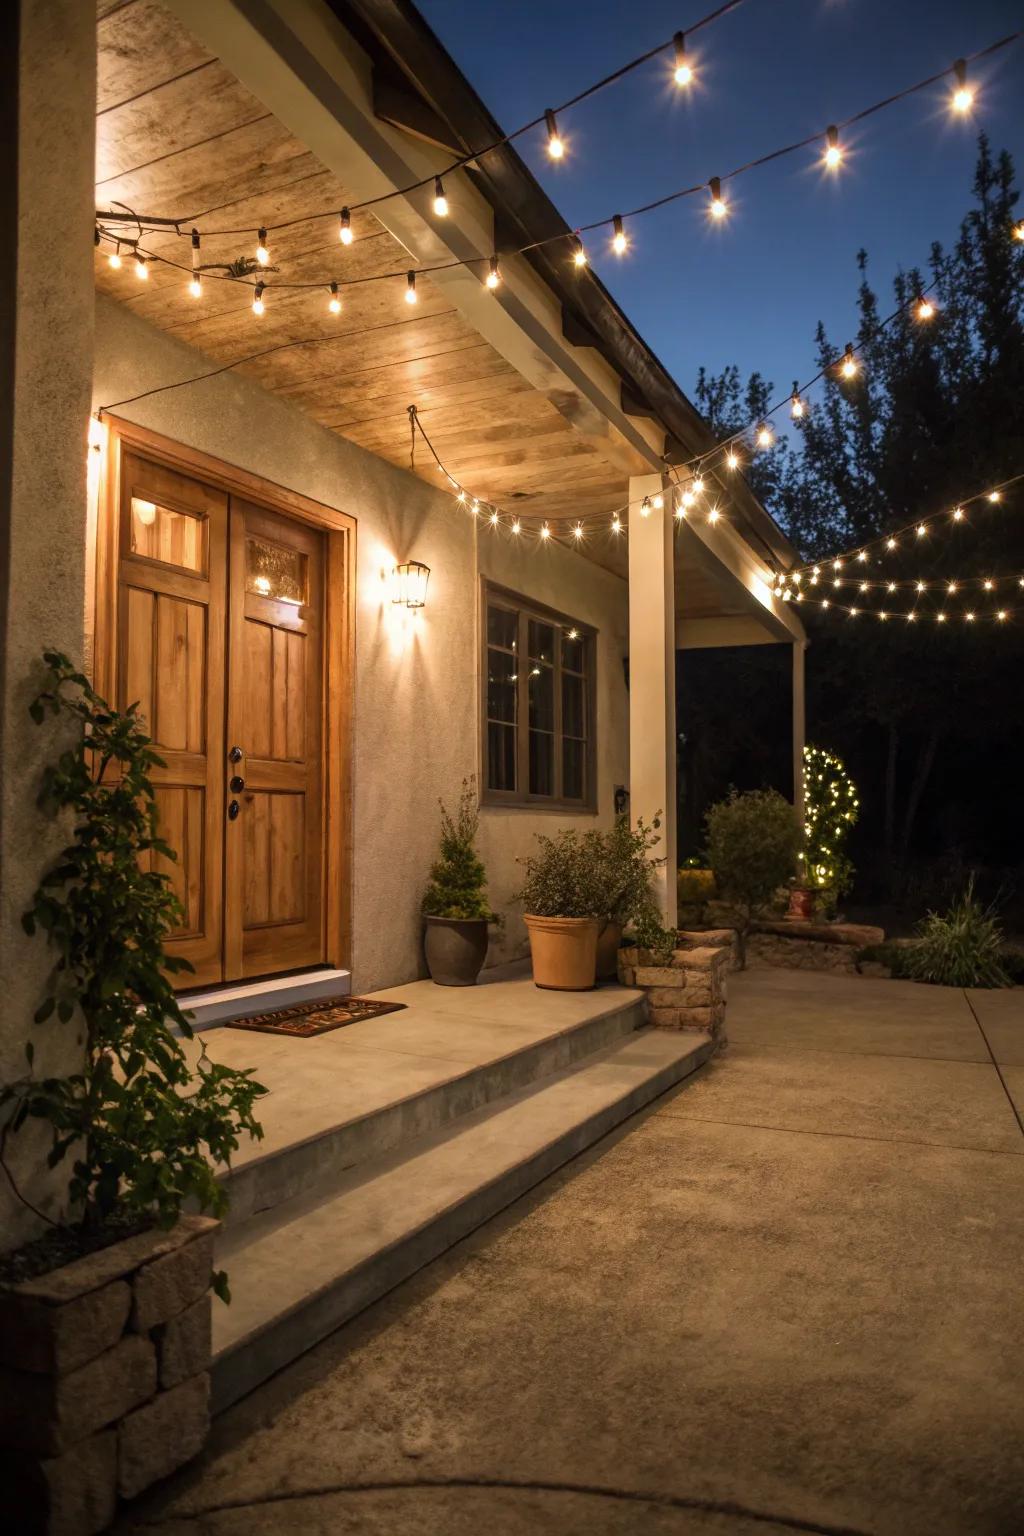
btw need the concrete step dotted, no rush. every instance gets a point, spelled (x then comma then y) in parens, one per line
(218, 1005)
(306, 1163)
(300, 1271)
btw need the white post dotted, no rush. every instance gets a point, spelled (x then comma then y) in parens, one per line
(799, 728)
(652, 675)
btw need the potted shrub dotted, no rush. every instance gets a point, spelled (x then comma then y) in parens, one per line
(623, 854)
(565, 897)
(455, 905)
(118, 1292)
(752, 847)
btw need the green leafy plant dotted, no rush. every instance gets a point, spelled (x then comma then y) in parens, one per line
(623, 854)
(458, 879)
(752, 847)
(650, 934)
(566, 877)
(962, 948)
(144, 1130)
(831, 807)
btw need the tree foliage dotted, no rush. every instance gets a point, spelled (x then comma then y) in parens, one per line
(752, 847)
(144, 1131)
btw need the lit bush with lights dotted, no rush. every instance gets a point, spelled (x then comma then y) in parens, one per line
(831, 807)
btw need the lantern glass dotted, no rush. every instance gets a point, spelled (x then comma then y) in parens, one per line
(411, 583)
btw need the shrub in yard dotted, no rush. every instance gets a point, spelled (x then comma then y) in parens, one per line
(752, 847)
(963, 948)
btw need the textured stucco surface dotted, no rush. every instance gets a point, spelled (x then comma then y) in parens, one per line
(725, 1318)
(43, 529)
(417, 684)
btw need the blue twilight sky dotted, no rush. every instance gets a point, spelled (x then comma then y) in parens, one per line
(752, 289)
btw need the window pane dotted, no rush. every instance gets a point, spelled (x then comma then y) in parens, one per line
(542, 763)
(502, 691)
(542, 642)
(573, 651)
(274, 570)
(542, 698)
(573, 769)
(573, 705)
(158, 533)
(501, 756)
(501, 627)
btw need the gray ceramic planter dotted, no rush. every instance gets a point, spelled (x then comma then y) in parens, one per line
(456, 949)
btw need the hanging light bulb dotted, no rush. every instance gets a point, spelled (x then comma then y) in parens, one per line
(988, 585)
(616, 524)
(963, 97)
(681, 507)
(958, 514)
(659, 502)
(924, 309)
(114, 259)
(257, 299)
(262, 254)
(645, 507)
(718, 206)
(1018, 230)
(410, 288)
(995, 496)
(517, 526)
(1001, 615)
(577, 532)
(921, 530)
(713, 516)
(764, 435)
(461, 496)
(848, 365)
(797, 409)
(619, 241)
(545, 532)
(493, 277)
(141, 267)
(683, 71)
(195, 287)
(556, 144)
(345, 227)
(732, 459)
(688, 499)
(579, 255)
(440, 201)
(493, 519)
(697, 485)
(334, 302)
(833, 152)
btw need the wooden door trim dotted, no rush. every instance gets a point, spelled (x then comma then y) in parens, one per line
(339, 631)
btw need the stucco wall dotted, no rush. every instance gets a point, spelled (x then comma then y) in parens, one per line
(42, 526)
(417, 682)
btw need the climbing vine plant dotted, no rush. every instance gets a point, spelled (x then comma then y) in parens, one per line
(144, 1129)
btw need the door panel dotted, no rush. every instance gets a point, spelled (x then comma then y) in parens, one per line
(274, 865)
(171, 636)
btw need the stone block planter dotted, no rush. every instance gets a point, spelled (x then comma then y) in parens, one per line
(686, 992)
(811, 946)
(104, 1377)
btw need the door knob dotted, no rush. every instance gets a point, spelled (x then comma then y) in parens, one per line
(233, 810)
(237, 784)
(235, 754)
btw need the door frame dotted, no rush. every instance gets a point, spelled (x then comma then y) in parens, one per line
(339, 632)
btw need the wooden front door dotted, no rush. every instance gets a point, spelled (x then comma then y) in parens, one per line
(220, 640)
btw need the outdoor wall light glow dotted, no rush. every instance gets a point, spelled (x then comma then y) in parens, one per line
(410, 584)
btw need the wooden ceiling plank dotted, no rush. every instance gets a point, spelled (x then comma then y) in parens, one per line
(195, 109)
(141, 46)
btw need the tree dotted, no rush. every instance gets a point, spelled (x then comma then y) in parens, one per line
(752, 849)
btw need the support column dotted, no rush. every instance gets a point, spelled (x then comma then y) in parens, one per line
(652, 676)
(799, 728)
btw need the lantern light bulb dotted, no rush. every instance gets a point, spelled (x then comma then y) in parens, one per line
(645, 507)
(141, 267)
(114, 260)
(334, 302)
(556, 144)
(262, 253)
(732, 459)
(619, 241)
(848, 366)
(925, 309)
(545, 532)
(764, 435)
(579, 255)
(995, 496)
(659, 502)
(833, 151)
(410, 288)
(195, 287)
(345, 227)
(797, 408)
(963, 96)
(440, 201)
(257, 299)
(493, 277)
(683, 70)
(718, 207)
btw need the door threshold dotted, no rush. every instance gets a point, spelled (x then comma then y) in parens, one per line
(220, 1005)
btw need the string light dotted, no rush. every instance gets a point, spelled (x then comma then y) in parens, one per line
(797, 408)
(616, 524)
(345, 227)
(556, 144)
(440, 201)
(577, 532)
(765, 436)
(257, 299)
(848, 363)
(833, 153)
(924, 309)
(963, 96)
(493, 277)
(493, 519)
(718, 206)
(697, 485)
(517, 526)
(683, 71)
(114, 258)
(995, 496)
(410, 288)
(713, 516)
(659, 502)
(1018, 230)
(334, 302)
(732, 459)
(195, 286)
(645, 507)
(579, 255)
(262, 253)
(545, 532)
(619, 241)
(141, 269)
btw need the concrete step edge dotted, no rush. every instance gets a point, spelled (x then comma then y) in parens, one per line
(268, 1348)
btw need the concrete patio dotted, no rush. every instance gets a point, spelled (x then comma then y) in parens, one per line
(784, 1297)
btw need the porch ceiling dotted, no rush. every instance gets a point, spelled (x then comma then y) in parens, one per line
(178, 134)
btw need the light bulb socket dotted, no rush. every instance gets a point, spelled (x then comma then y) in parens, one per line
(715, 188)
(551, 124)
(832, 136)
(345, 227)
(410, 287)
(493, 275)
(960, 72)
(195, 240)
(439, 188)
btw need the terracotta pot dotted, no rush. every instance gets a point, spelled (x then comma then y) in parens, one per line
(608, 941)
(564, 951)
(456, 948)
(801, 905)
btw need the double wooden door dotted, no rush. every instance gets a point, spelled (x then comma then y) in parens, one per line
(221, 644)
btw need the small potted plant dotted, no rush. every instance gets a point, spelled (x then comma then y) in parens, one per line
(565, 897)
(455, 906)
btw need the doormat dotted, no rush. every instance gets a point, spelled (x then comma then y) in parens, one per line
(306, 1019)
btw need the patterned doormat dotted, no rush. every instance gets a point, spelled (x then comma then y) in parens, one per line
(305, 1019)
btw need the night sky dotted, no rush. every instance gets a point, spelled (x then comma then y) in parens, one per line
(749, 290)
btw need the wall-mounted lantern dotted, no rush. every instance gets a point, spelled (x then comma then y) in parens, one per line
(410, 583)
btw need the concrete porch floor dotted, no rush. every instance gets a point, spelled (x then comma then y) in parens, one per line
(785, 1297)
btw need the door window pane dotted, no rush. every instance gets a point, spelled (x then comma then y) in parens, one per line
(542, 698)
(542, 642)
(573, 705)
(274, 570)
(160, 533)
(573, 650)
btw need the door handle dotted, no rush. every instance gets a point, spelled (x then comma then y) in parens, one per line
(233, 810)
(235, 754)
(237, 784)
